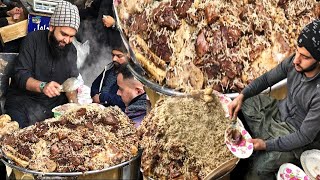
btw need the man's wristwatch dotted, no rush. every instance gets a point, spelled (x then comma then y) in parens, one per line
(42, 85)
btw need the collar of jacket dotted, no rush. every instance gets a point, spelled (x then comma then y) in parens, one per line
(307, 79)
(138, 103)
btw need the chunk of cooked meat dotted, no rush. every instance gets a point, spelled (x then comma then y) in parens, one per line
(181, 7)
(211, 15)
(160, 45)
(165, 16)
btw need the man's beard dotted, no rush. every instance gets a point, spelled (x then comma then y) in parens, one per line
(310, 68)
(55, 49)
(116, 65)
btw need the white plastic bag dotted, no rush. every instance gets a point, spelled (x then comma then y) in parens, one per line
(84, 95)
(83, 51)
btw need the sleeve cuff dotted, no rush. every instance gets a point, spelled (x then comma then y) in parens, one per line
(104, 98)
(246, 93)
(23, 81)
(270, 145)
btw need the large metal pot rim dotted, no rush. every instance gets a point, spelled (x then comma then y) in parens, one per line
(10, 164)
(140, 74)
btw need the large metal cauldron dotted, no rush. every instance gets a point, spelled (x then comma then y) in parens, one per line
(141, 75)
(126, 170)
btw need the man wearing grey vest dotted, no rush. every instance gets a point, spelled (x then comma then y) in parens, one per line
(282, 130)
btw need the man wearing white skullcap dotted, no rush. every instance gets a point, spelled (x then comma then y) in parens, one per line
(46, 59)
(282, 130)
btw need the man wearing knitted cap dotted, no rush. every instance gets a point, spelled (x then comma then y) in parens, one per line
(282, 130)
(104, 88)
(46, 59)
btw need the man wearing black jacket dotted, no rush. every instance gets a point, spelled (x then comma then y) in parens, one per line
(15, 13)
(46, 59)
(104, 88)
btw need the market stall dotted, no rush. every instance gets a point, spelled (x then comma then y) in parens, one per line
(38, 14)
(35, 16)
(13, 27)
(178, 48)
(193, 57)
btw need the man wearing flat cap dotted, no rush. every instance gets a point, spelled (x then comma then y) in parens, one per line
(46, 59)
(282, 130)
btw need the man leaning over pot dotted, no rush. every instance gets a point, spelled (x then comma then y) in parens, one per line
(282, 130)
(104, 88)
(46, 59)
(132, 94)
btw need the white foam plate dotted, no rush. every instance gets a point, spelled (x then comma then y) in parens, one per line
(245, 148)
(310, 161)
(242, 150)
(225, 100)
(290, 171)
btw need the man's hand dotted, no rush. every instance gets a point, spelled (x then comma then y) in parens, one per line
(52, 89)
(258, 144)
(96, 98)
(235, 106)
(19, 16)
(108, 21)
(16, 15)
(14, 11)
